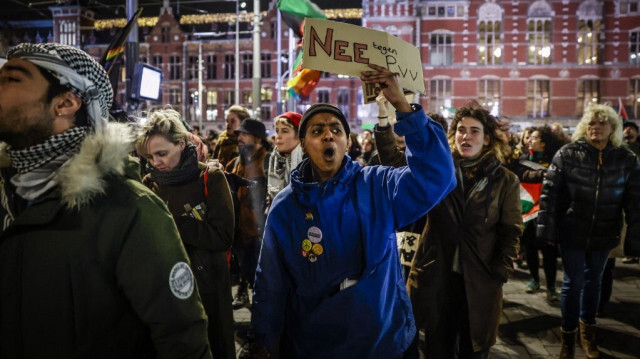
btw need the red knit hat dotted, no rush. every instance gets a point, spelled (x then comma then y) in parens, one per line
(293, 117)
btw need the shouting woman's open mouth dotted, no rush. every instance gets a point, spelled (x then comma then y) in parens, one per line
(329, 154)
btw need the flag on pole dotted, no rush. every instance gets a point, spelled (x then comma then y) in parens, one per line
(110, 62)
(302, 81)
(116, 47)
(622, 111)
(301, 8)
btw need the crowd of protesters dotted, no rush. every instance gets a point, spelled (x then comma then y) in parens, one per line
(123, 240)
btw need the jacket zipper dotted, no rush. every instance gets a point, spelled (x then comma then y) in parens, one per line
(595, 203)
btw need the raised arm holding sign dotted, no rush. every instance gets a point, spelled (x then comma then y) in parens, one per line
(348, 49)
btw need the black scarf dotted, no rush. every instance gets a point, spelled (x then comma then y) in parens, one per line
(186, 170)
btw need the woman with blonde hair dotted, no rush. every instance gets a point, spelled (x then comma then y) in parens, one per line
(468, 245)
(200, 202)
(588, 184)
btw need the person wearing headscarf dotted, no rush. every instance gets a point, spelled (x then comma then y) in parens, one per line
(91, 261)
(200, 202)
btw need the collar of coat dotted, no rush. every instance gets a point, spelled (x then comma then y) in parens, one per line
(309, 192)
(101, 155)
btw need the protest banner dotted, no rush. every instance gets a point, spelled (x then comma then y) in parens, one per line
(347, 49)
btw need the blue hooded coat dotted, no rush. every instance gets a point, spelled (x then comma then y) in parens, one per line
(349, 221)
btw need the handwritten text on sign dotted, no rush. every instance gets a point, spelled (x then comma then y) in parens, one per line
(347, 49)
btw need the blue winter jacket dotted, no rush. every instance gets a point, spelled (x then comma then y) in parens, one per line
(297, 292)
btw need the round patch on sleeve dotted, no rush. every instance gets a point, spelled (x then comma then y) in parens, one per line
(181, 280)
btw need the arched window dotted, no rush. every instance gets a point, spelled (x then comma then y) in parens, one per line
(490, 34)
(539, 33)
(67, 30)
(589, 27)
(441, 49)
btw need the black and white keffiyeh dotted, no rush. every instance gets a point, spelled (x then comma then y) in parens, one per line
(75, 68)
(34, 157)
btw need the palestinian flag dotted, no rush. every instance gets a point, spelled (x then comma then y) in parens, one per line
(530, 199)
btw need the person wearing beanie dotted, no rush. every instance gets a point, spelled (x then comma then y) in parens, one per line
(250, 164)
(92, 263)
(328, 282)
(286, 154)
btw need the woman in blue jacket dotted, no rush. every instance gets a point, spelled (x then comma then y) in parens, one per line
(329, 282)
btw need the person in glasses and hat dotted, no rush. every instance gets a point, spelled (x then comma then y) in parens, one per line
(329, 282)
(250, 164)
(91, 262)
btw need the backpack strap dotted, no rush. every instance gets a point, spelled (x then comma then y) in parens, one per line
(206, 181)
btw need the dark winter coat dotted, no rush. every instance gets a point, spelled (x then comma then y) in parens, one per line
(583, 196)
(486, 226)
(227, 148)
(207, 243)
(252, 199)
(95, 268)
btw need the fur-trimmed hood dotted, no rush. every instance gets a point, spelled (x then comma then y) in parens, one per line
(102, 154)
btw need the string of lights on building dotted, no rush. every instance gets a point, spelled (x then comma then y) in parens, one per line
(200, 19)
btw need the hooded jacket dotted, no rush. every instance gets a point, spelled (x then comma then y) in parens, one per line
(95, 268)
(583, 196)
(354, 215)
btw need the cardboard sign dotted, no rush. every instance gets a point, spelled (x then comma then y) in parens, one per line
(347, 49)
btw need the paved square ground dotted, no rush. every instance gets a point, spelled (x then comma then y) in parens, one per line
(530, 326)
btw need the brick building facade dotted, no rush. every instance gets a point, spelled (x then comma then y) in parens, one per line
(531, 61)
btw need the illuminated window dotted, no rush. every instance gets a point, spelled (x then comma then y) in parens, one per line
(229, 98)
(489, 44)
(588, 34)
(175, 96)
(212, 105)
(589, 27)
(588, 94)
(68, 30)
(246, 97)
(539, 38)
(192, 71)
(440, 95)
(441, 49)
(489, 95)
(634, 47)
(538, 98)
